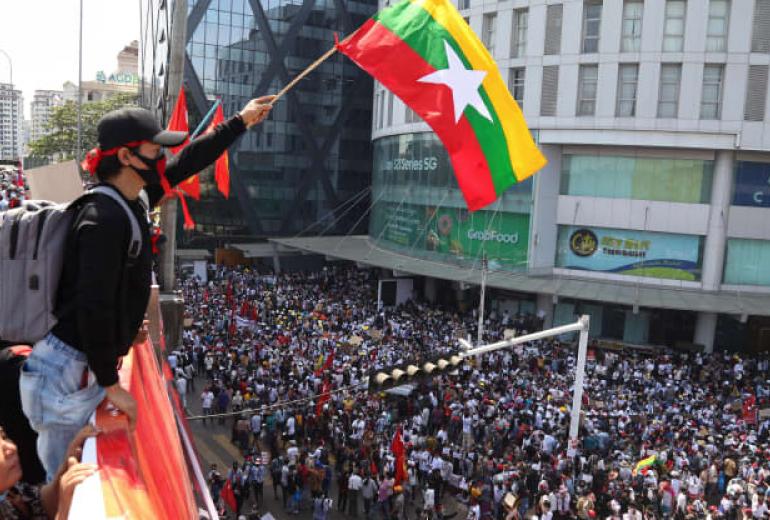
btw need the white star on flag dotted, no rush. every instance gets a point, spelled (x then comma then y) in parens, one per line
(463, 83)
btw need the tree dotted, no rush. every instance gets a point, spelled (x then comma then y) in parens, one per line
(61, 139)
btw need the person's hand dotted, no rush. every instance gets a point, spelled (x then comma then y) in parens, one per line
(124, 402)
(257, 110)
(75, 474)
(141, 336)
(76, 446)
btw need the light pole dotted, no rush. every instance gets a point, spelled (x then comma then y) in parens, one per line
(78, 152)
(10, 64)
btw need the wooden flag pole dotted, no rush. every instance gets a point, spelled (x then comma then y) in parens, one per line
(304, 73)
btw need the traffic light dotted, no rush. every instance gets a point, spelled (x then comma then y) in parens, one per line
(413, 373)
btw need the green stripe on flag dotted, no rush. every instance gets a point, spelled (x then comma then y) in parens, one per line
(417, 28)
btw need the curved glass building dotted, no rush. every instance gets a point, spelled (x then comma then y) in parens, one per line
(652, 213)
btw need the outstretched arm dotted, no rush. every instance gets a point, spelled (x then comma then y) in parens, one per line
(205, 149)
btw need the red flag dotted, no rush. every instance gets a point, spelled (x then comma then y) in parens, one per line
(228, 496)
(20, 175)
(327, 364)
(179, 123)
(399, 452)
(233, 327)
(189, 223)
(323, 398)
(178, 120)
(222, 166)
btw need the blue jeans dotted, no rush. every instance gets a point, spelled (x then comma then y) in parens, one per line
(54, 400)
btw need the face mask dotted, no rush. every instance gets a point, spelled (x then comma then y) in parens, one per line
(3, 496)
(156, 168)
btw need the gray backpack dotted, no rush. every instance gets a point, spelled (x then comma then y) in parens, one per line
(32, 244)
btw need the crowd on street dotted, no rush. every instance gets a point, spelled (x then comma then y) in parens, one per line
(485, 441)
(11, 194)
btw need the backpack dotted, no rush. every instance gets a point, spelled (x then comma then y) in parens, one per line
(32, 247)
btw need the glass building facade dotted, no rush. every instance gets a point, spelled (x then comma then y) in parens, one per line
(310, 162)
(418, 208)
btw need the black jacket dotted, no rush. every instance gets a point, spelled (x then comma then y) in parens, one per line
(102, 296)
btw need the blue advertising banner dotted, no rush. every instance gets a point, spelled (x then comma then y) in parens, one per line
(752, 184)
(637, 253)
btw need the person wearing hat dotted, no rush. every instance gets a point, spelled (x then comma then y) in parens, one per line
(103, 291)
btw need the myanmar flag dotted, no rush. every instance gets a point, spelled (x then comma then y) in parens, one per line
(426, 54)
(643, 464)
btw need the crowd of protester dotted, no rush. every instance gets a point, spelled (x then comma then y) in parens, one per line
(11, 194)
(488, 440)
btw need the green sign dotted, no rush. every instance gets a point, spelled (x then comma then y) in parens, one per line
(120, 78)
(455, 233)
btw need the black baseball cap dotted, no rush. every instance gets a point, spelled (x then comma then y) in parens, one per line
(131, 125)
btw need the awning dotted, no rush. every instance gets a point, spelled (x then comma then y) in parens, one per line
(363, 250)
(263, 250)
(193, 254)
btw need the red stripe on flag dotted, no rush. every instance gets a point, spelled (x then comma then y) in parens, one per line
(393, 63)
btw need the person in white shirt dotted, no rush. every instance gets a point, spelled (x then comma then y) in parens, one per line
(292, 453)
(207, 399)
(181, 388)
(355, 483)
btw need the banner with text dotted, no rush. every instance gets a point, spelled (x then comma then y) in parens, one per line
(637, 253)
(454, 232)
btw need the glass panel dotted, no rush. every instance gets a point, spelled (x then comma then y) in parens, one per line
(639, 178)
(747, 262)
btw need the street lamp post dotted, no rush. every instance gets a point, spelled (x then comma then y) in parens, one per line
(10, 64)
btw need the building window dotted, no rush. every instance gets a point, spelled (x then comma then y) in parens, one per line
(592, 17)
(668, 98)
(756, 93)
(588, 77)
(410, 116)
(628, 78)
(519, 33)
(673, 30)
(488, 30)
(760, 39)
(716, 31)
(463, 4)
(390, 108)
(381, 110)
(516, 80)
(711, 98)
(549, 90)
(553, 21)
(631, 39)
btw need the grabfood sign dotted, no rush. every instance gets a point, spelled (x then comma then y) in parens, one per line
(493, 236)
(503, 237)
